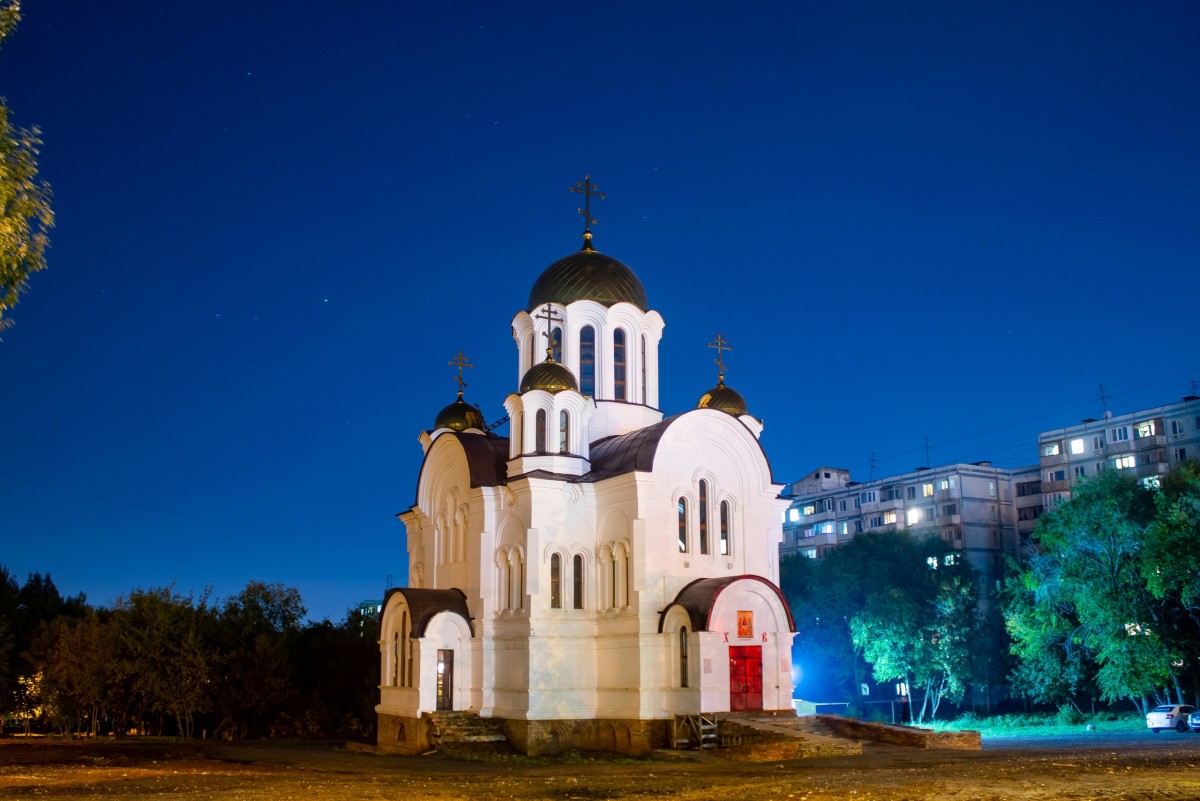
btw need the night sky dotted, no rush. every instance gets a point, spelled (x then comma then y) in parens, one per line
(278, 221)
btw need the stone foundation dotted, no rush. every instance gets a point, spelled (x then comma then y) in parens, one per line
(403, 735)
(406, 735)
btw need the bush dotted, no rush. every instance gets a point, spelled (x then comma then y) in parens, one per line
(1068, 716)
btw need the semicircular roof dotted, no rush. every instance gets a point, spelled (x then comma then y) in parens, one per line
(588, 275)
(423, 604)
(699, 598)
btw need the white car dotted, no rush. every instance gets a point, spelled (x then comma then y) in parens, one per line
(1169, 716)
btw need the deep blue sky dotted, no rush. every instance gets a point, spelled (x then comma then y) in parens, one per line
(278, 221)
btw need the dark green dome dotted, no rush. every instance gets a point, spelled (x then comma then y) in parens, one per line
(588, 275)
(723, 399)
(549, 376)
(459, 416)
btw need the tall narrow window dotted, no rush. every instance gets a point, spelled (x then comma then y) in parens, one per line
(556, 344)
(533, 353)
(577, 582)
(556, 582)
(516, 434)
(587, 360)
(682, 510)
(405, 675)
(683, 656)
(642, 364)
(540, 431)
(564, 431)
(396, 659)
(724, 528)
(619, 364)
(703, 516)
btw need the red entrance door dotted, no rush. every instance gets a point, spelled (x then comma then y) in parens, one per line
(745, 677)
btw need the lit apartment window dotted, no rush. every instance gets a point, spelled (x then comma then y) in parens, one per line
(824, 528)
(991, 489)
(1051, 449)
(1151, 482)
(1077, 446)
(945, 484)
(794, 515)
(844, 528)
(1124, 462)
(950, 559)
(889, 517)
(912, 516)
(927, 490)
(1119, 434)
(808, 553)
(1143, 430)
(810, 508)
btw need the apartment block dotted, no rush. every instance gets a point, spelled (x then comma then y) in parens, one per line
(1146, 444)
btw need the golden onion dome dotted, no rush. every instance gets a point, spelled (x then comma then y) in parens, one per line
(724, 399)
(549, 376)
(459, 416)
(588, 275)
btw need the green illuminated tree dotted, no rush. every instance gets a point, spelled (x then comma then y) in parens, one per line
(25, 212)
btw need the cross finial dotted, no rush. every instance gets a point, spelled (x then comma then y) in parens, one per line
(721, 345)
(550, 316)
(460, 362)
(588, 190)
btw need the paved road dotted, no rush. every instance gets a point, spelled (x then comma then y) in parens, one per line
(1145, 739)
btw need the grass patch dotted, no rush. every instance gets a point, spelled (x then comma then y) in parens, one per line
(1043, 724)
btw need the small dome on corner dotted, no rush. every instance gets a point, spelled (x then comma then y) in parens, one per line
(459, 416)
(723, 399)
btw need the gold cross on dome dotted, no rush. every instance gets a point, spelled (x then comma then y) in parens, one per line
(588, 190)
(460, 362)
(551, 317)
(721, 345)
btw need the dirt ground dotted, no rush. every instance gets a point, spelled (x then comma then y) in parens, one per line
(56, 769)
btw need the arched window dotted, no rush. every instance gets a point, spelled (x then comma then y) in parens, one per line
(403, 653)
(539, 444)
(564, 432)
(683, 656)
(577, 582)
(619, 364)
(516, 434)
(724, 528)
(587, 360)
(396, 659)
(642, 364)
(555, 582)
(556, 344)
(703, 516)
(533, 354)
(682, 509)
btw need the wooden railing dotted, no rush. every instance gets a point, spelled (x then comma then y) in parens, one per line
(695, 731)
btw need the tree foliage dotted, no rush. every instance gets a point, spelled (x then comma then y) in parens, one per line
(1107, 604)
(25, 212)
(890, 603)
(161, 662)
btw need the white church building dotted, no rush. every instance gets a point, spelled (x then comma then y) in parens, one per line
(604, 568)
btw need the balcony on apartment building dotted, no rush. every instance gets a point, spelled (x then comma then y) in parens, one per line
(1056, 486)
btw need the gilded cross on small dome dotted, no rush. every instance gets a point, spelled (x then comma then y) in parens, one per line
(460, 362)
(551, 317)
(721, 345)
(588, 190)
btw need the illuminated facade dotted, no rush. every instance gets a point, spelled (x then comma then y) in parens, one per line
(600, 570)
(1146, 444)
(980, 511)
